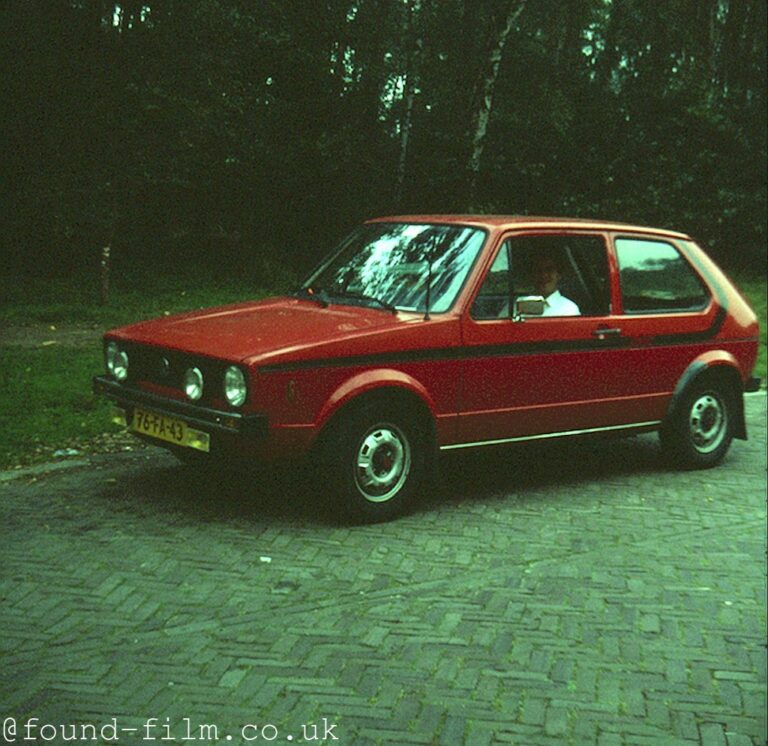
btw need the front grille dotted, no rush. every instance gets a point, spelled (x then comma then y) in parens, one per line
(166, 368)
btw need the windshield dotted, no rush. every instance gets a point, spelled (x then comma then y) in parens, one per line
(388, 264)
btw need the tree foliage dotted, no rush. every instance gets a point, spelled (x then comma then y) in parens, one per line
(220, 130)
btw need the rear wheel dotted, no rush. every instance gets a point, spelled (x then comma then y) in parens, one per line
(375, 459)
(701, 430)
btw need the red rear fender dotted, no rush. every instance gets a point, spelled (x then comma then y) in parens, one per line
(720, 363)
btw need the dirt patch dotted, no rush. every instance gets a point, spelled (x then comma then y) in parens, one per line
(50, 335)
(77, 448)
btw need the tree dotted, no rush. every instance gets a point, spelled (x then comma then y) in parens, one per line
(486, 88)
(212, 132)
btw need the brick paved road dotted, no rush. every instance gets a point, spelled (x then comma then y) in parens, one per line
(573, 593)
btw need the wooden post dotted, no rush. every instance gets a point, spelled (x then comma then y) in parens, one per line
(105, 262)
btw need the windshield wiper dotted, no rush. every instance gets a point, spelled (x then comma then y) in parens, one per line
(365, 299)
(318, 295)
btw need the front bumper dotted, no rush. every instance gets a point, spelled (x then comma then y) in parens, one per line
(205, 418)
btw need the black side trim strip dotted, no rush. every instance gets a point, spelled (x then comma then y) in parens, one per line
(501, 350)
(226, 422)
(714, 328)
(384, 357)
(448, 353)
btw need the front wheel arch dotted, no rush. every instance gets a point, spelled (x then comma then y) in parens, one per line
(396, 410)
(386, 397)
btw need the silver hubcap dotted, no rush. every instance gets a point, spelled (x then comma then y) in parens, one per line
(382, 463)
(707, 423)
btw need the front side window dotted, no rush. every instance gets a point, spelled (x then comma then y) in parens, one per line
(569, 271)
(395, 263)
(656, 278)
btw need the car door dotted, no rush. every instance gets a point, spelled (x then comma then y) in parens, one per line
(541, 376)
(668, 318)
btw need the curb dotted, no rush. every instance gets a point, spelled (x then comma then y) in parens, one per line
(39, 469)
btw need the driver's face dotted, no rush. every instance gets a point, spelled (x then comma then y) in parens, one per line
(546, 276)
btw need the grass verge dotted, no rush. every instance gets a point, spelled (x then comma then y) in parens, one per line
(46, 402)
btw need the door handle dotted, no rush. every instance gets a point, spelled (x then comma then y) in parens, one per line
(604, 331)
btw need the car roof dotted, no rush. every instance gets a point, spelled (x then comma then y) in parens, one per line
(513, 222)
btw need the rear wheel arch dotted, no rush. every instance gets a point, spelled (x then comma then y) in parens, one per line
(721, 370)
(706, 414)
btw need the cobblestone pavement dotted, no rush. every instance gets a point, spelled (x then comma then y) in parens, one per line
(564, 593)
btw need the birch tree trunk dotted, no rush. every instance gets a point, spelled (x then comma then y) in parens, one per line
(411, 82)
(485, 99)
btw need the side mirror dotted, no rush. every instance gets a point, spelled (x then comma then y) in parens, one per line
(527, 305)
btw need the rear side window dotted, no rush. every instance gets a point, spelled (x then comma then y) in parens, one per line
(655, 277)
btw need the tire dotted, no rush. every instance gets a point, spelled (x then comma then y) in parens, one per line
(700, 430)
(375, 461)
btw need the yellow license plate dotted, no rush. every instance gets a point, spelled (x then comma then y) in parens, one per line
(169, 429)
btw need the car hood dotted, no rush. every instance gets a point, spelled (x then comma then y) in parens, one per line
(249, 331)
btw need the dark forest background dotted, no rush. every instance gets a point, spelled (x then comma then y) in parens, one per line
(241, 135)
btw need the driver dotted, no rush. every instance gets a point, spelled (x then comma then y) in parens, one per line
(546, 277)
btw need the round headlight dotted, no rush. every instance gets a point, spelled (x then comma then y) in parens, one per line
(117, 361)
(234, 386)
(193, 383)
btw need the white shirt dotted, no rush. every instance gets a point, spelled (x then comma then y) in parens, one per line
(558, 305)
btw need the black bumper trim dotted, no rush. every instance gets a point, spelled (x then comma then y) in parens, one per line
(752, 384)
(234, 423)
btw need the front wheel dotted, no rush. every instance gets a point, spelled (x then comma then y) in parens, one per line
(376, 462)
(701, 430)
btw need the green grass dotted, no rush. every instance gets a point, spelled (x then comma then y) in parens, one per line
(46, 401)
(77, 301)
(45, 392)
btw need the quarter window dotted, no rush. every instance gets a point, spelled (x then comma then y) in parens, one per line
(655, 277)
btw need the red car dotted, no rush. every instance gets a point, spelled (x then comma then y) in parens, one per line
(427, 333)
